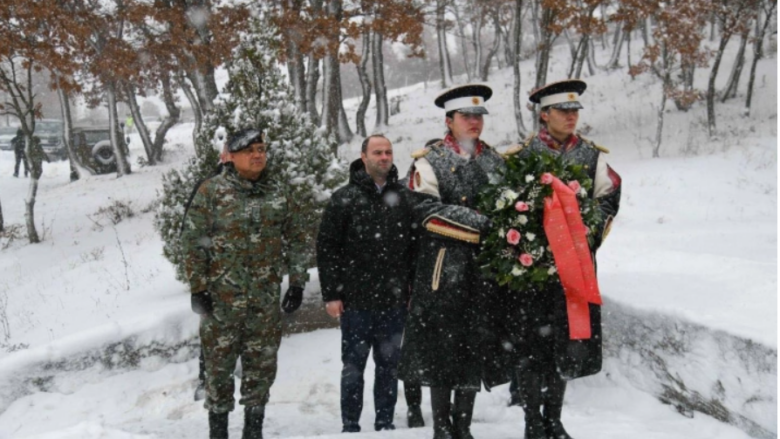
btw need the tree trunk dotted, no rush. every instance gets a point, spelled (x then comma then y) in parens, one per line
(585, 45)
(441, 37)
(380, 89)
(543, 57)
(463, 42)
(29, 202)
(646, 31)
(122, 166)
(312, 78)
(197, 113)
(2, 221)
(736, 72)
(77, 169)
(365, 84)
(659, 128)
(758, 53)
(517, 42)
(724, 39)
(173, 117)
(476, 43)
(614, 60)
(143, 130)
(573, 51)
(485, 70)
(296, 70)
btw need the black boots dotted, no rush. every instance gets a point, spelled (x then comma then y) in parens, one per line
(413, 395)
(531, 388)
(218, 425)
(553, 405)
(440, 405)
(452, 421)
(549, 403)
(253, 422)
(462, 412)
(414, 417)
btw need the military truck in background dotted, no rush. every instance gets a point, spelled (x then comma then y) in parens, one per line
(92, 146)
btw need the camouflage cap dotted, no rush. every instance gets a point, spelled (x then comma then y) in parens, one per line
(563, 95)
(243, 138)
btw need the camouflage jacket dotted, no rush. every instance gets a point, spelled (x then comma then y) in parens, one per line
(240, 235)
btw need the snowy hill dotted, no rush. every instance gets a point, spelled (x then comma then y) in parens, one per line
(99, 341)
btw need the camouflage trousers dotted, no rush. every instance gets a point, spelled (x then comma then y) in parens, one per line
(253, 334)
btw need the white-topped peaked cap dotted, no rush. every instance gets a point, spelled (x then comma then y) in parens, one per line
(563, 95)
(467, 99)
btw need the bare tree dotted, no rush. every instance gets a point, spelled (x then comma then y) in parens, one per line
(733, 17)
(768, 8)
(517, 43)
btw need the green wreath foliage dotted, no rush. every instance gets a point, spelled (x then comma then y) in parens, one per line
(515, 205)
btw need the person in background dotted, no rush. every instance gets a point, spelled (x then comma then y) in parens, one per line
(364, 255)
(18, 144)
(242, 229)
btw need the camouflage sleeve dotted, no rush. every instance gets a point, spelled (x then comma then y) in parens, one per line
(295, 240)
(196, 240)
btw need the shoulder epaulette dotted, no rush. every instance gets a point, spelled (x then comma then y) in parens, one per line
(420, 153)
(593, 144)
(514, 149)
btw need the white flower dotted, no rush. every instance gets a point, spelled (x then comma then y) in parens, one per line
(529, 178)
(509, 195)
(517, 271)
(500, 204)
(530, 236)
(501, 233)
(552, 270)
(583, 192)
(522, 219)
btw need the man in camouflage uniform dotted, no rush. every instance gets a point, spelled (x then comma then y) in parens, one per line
(240, 232)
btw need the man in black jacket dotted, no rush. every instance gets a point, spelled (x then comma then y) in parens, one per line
(364, 255)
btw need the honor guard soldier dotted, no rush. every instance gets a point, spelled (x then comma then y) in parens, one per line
(544, 356)
(445, 338)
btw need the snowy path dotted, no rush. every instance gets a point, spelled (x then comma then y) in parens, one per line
(156, 402)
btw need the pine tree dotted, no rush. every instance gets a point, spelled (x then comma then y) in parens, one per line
(300, 155)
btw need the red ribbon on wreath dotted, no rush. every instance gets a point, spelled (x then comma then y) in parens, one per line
(566, 234)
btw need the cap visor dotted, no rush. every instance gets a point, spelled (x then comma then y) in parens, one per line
(568, 106)
(472, 110)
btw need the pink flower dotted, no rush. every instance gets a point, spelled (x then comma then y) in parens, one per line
(526, 260)
(574, 185)
(513, 236)
(521, 206)
(547, 178)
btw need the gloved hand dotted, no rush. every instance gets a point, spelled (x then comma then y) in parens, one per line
(292, 299)
(202, 303)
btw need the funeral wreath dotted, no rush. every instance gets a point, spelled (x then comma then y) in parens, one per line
(517, 251)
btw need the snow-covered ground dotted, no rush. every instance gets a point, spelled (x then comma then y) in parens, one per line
(693, 253)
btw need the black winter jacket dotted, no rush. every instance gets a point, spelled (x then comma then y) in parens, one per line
(364, 246)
